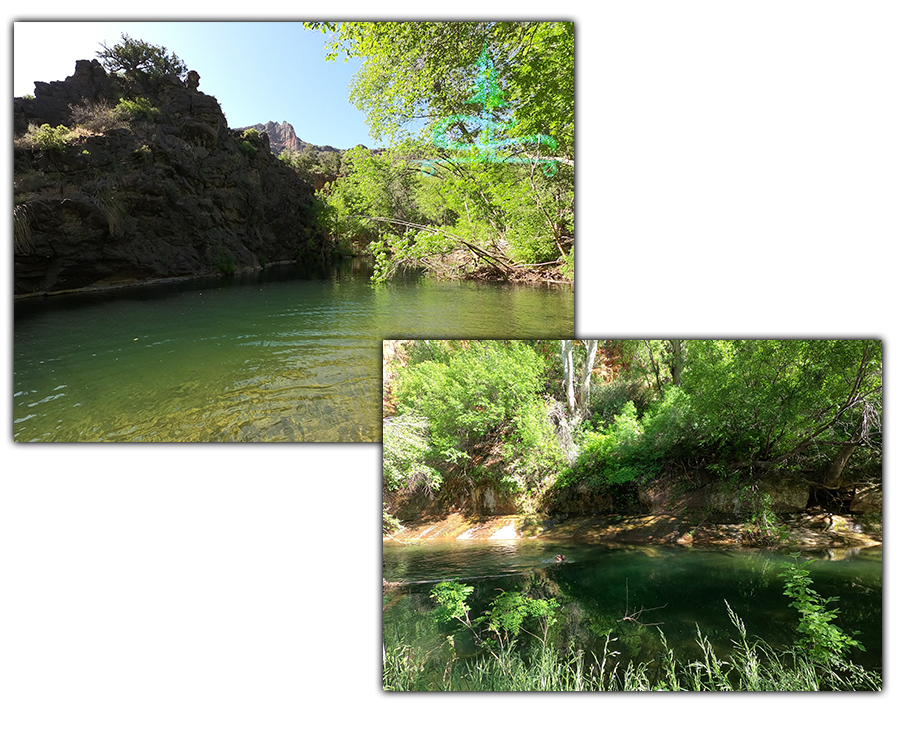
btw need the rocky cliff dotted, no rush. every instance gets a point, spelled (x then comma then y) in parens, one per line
(140, 178)
(282, 136)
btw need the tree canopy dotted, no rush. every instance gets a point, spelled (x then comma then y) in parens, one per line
(415, 74)
(607, 416)
(132, 55)
(480, 122)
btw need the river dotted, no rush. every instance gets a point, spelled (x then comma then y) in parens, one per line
(671, 589)
(277, 355)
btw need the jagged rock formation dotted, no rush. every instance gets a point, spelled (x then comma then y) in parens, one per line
(282, 136)
(175, 193)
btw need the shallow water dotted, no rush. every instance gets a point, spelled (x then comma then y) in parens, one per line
(661, 588)
(275, 356)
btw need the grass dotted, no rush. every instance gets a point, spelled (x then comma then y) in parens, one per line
(751, 666)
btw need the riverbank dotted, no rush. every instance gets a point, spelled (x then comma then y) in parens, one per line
(115, 283)
(812, 529)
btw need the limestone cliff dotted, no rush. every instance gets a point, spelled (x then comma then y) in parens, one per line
(146, 181)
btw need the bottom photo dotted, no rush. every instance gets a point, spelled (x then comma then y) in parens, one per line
(632, 515)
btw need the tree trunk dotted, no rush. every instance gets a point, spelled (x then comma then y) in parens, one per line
(867, 420)
(654, 365)
(677, 361)
(584, 389)
(568, 373)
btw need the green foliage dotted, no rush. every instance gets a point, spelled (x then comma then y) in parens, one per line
(311, 163)
(761, 515)
(251, 134)
(630, 448)
(770, 400)
(504, 619)
(451, 599)
(822, 641)
(424, 70)
(477, 391)
(139, 109)
(132, 56)
(223, 261)
(612, 456)
(48, 138)
(247, 147)
(471, 100)
(608, 399)
(751, 666)
(508, 612)
(405, 450)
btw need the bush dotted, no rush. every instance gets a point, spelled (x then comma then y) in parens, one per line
(140, 109)
(405, 449)
(607, 400)
(823, 642)
(248, 148)
(480, 392)
(48, 138)
(95, 116)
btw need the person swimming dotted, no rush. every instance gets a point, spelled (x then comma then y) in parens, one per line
(560, 558)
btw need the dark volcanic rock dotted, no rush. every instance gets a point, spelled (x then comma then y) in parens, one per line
(175, 194)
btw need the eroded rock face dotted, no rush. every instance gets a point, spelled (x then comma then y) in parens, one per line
(179, 194)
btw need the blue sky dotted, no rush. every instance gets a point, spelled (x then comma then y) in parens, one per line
(258, 71)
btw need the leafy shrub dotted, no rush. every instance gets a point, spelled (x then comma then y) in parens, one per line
(223, 261)
(607, 400)
(480, 391)
(139, 109)
(405, 450)
(248, 148)
(48, 138)
(823, 642)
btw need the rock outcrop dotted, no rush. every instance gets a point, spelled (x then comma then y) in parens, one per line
(148, 183)
(282, 136)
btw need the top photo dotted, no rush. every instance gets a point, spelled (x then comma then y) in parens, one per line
(216, 224)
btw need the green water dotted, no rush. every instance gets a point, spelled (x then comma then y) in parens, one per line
(274, 356)
(678, 589)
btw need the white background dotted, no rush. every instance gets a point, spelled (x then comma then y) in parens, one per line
(737, 175)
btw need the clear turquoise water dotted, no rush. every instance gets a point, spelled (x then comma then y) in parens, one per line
(275, 356)
(680, 589)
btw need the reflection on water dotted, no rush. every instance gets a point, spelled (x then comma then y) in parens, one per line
(677, 588)
(271, 356)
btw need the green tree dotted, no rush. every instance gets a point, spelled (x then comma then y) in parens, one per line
(478, 394)
(474, 102)
(415, 74)
(765, 403)
(132, 56)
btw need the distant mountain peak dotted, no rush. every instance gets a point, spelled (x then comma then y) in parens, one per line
(282, 136)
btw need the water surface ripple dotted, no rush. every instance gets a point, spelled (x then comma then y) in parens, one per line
(275, 356)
